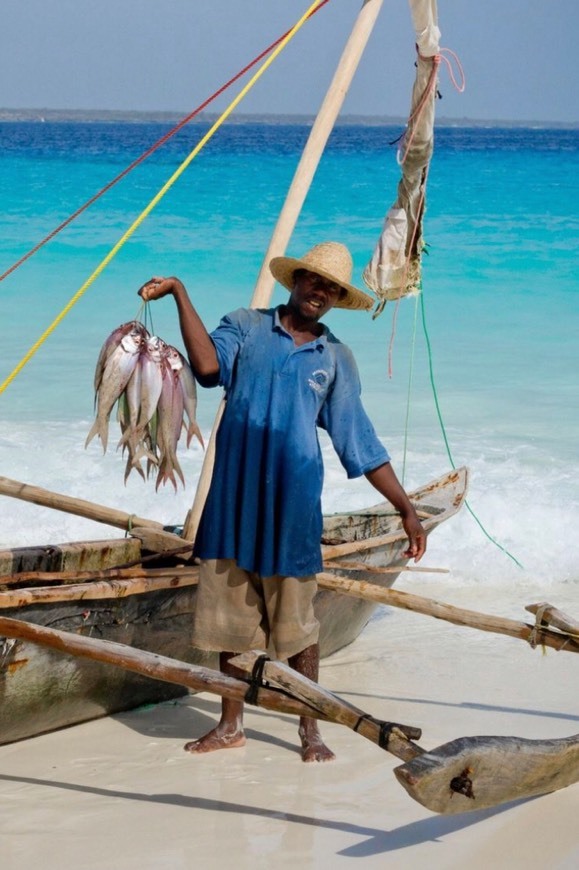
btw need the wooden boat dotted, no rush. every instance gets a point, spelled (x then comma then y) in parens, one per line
(42, 690)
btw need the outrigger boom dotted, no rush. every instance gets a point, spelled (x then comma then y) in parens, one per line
(469, 773)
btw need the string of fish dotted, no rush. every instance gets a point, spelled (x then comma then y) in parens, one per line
(154, 389)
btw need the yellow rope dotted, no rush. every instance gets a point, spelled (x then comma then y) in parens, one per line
(146, 211)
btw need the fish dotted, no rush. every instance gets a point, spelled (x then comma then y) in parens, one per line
(189, 389)
(117, 371)
(155, 391)
(151, 379)
(110, 345)
(170, 423)
(139, 427)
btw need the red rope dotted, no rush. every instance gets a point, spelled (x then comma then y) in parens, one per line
(149, 151)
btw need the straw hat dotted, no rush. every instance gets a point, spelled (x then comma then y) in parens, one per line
(332, 261)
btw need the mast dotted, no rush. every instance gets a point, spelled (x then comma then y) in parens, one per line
(290, 211)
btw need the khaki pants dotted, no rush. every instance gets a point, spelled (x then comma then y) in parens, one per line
(238, 610)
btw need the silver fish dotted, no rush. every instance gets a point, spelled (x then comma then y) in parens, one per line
(170, 422)
(117, 371)
(150, 364)
(189, 389)
(111, 345)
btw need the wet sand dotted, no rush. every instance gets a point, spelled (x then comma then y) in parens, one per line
(121, 792)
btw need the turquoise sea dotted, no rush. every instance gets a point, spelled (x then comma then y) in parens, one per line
(494, 342)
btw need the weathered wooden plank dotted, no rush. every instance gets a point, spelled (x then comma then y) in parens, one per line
(473, 773)
(98, 590)
(73, 556)
(160, 541)
(53, 578)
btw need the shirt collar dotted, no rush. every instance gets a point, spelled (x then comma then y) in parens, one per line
(321, 340)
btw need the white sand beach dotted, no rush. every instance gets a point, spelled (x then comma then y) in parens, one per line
(121, 792)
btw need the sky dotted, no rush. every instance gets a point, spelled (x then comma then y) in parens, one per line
(519, 56)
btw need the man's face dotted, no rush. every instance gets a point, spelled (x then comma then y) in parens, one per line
(313, 296)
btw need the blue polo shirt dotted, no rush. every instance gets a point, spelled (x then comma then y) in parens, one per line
(264, 504)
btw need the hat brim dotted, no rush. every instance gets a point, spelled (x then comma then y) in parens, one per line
(283, 268)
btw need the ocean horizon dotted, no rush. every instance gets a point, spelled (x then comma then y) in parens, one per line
(123, 116)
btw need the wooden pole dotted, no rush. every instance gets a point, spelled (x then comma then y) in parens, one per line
(289, 214)
(315, 145)
(334, 551)
(389, 569)
(533, 634)
(77, 506)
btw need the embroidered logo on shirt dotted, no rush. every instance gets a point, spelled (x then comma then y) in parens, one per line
(319, 380)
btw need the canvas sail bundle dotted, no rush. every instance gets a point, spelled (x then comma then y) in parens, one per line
(395, 267)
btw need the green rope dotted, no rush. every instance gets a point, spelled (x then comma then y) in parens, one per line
(410, 380)
(447, 445)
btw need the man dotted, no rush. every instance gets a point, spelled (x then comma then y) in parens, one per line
(284, 374)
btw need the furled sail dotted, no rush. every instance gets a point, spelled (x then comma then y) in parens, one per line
(395, 267)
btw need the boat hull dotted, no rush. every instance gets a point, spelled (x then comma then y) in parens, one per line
(42, 690)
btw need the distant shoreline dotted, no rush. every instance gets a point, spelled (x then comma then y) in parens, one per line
(127, 117)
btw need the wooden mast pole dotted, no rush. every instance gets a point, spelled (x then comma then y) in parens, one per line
(289, 214)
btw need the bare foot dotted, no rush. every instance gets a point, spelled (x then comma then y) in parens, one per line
(216, 739)
(313, 747)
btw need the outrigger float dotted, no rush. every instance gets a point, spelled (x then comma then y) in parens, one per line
(106, 591)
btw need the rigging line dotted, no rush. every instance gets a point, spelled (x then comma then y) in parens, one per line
(150, 150)
(157, 198)
(447, 445)
(460, 86)
(409, 392)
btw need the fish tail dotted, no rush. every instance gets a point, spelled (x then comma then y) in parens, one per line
(194, 430)
(101, 431)
(165, 474)
(177, 467)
